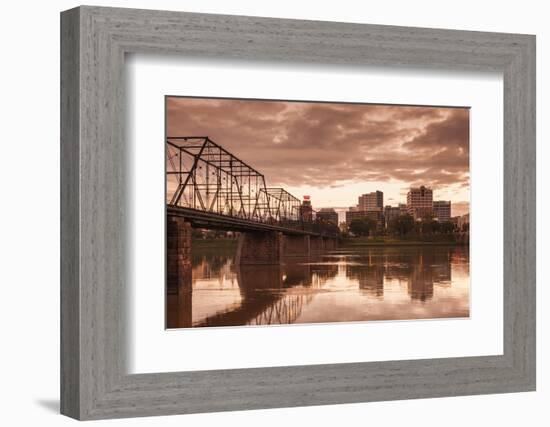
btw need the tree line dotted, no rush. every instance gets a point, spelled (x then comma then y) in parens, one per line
(403, 225)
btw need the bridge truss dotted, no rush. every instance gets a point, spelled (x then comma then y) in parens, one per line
(203, 176)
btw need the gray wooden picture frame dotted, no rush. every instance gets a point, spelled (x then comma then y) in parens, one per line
(94, 382)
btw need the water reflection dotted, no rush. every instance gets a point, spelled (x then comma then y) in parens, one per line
(376, 283)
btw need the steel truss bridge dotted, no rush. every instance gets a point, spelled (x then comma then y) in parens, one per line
(213, 188)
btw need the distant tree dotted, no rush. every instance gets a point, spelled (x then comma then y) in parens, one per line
(362, 226)
(213, 234)
(197, 233)
(402, 225)
(427, 225)
(446, 227)
(325, 227)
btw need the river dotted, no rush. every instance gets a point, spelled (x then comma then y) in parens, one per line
(345, 285)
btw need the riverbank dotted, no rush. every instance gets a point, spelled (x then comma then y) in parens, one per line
(380, 241)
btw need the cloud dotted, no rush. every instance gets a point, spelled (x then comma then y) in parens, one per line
(327, 144)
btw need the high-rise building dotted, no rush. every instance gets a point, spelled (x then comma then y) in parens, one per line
(442, 210)
(354, 213)
(420, 202)
(306, 210)
(328, 215)
(371, 202)
(377, 216)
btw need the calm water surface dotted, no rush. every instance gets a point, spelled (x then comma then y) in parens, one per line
(373, 283)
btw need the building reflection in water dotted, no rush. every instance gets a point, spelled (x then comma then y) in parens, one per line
(375, 283)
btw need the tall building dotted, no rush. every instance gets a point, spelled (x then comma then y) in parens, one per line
(328, 215)
(403, 209)
(442, 210)
(377, 216)
(420, 202)
(354, 213)
(371, 202)
(306, 210)
(391, 212)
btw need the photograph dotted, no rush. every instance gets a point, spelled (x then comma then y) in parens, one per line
(293, 212)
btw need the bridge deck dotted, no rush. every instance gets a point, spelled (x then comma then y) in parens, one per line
(212, 220)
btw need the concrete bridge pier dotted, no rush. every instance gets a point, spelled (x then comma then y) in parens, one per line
(321, 244)
(178, 254)
(329, 244)
(317, 244)
(257, 248)
(296, 245)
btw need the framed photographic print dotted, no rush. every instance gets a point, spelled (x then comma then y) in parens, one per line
(281, 213)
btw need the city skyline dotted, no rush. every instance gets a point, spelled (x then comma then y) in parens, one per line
(336, 152)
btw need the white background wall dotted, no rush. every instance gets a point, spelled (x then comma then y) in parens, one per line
(29, 212)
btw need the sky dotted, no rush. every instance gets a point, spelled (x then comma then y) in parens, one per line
(334, 152)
